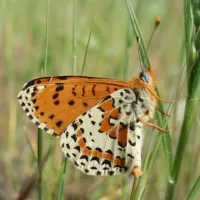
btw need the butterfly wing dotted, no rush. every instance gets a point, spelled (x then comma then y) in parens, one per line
(52, 103)
(107, 139)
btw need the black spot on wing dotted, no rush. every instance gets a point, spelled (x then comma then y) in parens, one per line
(68, 146)
(132, 126)
(30, 117)
(95, 159)
(127, 91)
(59, 88)
(71, 102)
(85, 104)
(30, 83)
(84, 157)
(98, 149)
(131, 156)
(93, 168)
(62, 77)
(55, 96)
(93, 122)
(74, 125)
(33, 94)
(83, 91)
(109, 151)
(131, 143)
(41, 113)
(56, 102)
(34, 101)
(98, 173)
(106, 162)
(111, 173)
(51, 116)
(81, 121)
(77, 148)
(106, 98)
(93, 90)
(74, 137)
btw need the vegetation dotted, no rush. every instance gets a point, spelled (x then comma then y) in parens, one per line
(97, 38)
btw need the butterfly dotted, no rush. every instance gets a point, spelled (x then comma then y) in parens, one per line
(99, 120)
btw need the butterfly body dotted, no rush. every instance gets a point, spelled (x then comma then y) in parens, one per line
(98, 119)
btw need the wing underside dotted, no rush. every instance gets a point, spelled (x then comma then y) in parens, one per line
(104, 140)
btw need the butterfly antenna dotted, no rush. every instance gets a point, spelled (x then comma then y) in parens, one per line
(139, 53)
(156, 24)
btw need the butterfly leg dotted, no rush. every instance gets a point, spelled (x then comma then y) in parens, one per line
(144, 119)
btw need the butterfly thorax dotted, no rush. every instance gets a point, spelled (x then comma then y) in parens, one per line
(144, 85)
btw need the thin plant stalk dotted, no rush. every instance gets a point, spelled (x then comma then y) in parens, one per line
(160, 118)
(192, 24)
(64, 161)
(86, 51)
(61, 179)
(195, 191)
(129, 42)
(39, 141)
(74, 40)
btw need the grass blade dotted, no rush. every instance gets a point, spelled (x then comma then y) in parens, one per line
(64, 162)
(129, 42)
(137, 32)
(88, 42)
(62, 179)
(195, 191)
(160, 118)
(74, 40)
(39, 141)
(193, 68)
(39, 145)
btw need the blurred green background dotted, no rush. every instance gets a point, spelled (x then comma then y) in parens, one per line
(22, 40)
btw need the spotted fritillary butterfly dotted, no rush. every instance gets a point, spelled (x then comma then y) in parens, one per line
(100, 121)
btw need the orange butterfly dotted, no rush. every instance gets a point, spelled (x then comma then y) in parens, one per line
(100, 120)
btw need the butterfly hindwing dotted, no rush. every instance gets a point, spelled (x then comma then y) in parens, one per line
(107, 139)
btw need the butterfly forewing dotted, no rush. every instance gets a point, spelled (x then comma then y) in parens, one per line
(52, 103)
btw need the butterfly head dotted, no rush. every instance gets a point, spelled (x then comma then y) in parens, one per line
(148, 76)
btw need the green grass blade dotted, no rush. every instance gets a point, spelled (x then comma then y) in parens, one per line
(64, 162)
(160, 118)
(193, 68)
(39, 141)
(137, 194)
(47, 38)
(39, 145)
(195, 191)
(30, 145)
(62, 179)
(129, 42)
(74, 40)
(88, 42)
(166, 139)
(137, 32)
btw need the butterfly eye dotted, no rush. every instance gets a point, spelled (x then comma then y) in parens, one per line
(146, 77)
